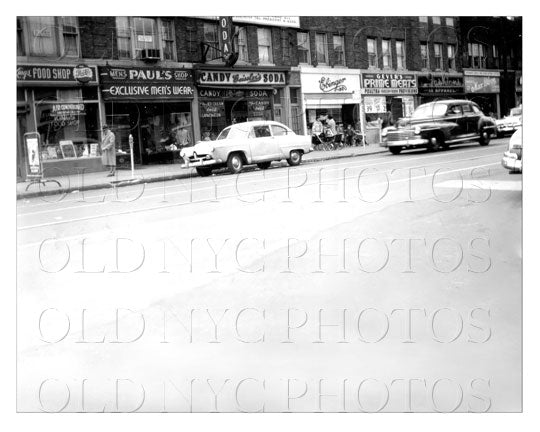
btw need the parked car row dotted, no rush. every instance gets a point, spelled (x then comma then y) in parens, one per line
(434, 126)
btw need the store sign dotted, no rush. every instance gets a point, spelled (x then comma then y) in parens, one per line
(32, 150)
(389, 84)
(243, 78)
(481, 73)
(145, 83)
(225, 36)
(482, 84)
(440, 85)
(214, 93)
(330, 83)
(48, 74)
(278, 21)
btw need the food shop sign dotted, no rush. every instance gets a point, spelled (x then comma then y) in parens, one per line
(48, 74)
(145, 83)
(243, 78)
(389, 84)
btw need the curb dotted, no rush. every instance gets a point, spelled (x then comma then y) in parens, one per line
(154, 179)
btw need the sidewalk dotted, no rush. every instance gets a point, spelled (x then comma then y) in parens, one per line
(155, 173)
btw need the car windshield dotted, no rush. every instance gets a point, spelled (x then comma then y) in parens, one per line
(429, 110)
(232, 133)
(515, 112)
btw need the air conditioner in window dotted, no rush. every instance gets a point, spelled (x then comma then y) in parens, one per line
(150, 55)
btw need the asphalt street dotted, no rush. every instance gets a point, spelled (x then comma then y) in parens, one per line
(376, 283)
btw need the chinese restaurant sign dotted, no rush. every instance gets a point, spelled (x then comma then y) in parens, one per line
(389, 84)
(241, 78)
(145, 83)
(48, 74)
(440, 85)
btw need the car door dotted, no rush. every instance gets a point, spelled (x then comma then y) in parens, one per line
(284, 139)
(471, 119)
(261, 143)
(454, 117)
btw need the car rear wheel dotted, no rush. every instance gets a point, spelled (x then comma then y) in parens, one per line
(264, 165)
(395, 150)
(295, 158)
(484, 138)
(204, 171)
(235, 163)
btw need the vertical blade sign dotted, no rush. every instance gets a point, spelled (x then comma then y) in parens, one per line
(225, 36)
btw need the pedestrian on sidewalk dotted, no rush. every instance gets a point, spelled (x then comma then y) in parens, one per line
(108, 150)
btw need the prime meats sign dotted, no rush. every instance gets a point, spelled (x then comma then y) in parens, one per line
(389, 84)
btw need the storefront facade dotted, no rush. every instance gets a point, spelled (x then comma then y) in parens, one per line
(331, 91)
(61, 104)
(226, 96)
(437, 86)
(386, 97)
(154, 105)
(483, 87)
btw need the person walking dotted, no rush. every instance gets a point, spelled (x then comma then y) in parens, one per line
(316, 131)
(108, 150)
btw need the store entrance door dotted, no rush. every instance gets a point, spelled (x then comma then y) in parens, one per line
(21, 153)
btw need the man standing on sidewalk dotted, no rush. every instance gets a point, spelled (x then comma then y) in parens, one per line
(108, 150)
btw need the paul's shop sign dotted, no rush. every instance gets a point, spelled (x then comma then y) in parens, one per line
(242, 78)
(145, 83)
(381, 83)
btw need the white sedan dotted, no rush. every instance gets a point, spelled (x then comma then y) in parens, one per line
(512, 158)
(256, 142)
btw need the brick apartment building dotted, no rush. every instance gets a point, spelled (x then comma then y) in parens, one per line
(162, 78)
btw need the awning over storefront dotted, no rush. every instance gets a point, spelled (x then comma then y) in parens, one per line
(328, 101)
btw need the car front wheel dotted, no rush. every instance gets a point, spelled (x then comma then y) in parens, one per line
(235, 163)
(295, 158)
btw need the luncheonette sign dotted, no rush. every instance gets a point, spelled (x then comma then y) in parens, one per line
(389, 84)
(241, 78)
(145, 83)
(56, 74)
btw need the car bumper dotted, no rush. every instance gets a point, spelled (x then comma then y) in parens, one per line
(194, 163)
(405, 143)
(511, 162)
(506, 129)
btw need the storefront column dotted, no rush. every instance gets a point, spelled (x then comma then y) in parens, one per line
(498, 101)
(195, 118)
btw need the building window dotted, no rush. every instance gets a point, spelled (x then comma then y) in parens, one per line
(386, 54)
(264, 38)
(242, 45)
(495, 52)
(449, 21)
(321, 48)
(339, 50)
(41, 35)
(451, 59)
(372, 52)
(304, 54)
(424, 55)
(423, 19)
(167, 39)
(211, 39)
(146, 36)
(436, 20)
(437, 48)
(477, 55)
(20, 38)
(400, 55)
(294, 94)
(123, 34)
(70, 36)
